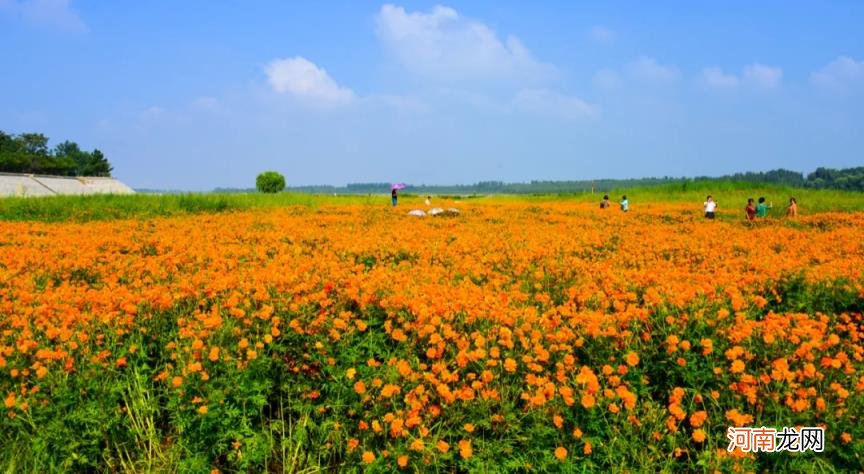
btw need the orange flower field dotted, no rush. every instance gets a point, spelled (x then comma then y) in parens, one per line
(514, 337)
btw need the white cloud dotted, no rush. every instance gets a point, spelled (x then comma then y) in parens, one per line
(607, 79)
(209, 104)
(756, 76)
(763, 76)
(601, 34)
(715, 77)
(303, 79)
(839, 74)
(399, 102)
(56, 14)
(552, 103)
(152, 113)
(647, 69)
(443, 45)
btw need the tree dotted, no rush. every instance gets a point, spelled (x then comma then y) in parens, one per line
(34, 144)
(29, 153)
(270, 182)
(71, 154)
(95, 165)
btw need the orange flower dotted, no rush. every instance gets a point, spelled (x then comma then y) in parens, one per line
(588, 400)
(353, 443)
(632, 359)
(203, 409)
(558, 421)
(737, 367)
(465, 450)
(561, 453)
(698, 418)
(417, 445)
(368, 457)
(587, 448)
(402, 461)
(360, 387)
(699, 435)
(442, 446)
(737, 418)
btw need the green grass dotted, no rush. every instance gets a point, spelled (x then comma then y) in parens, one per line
(108, 207)
(731, 196)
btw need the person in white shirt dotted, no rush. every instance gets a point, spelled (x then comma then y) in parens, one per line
(710, 206)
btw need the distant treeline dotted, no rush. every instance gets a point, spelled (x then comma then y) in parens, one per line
(849, 179)
(29, 153)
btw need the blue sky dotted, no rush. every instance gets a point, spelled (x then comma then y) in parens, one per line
(202, 94)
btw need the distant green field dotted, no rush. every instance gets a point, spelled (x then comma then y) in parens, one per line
(107, 207)
(730, 196)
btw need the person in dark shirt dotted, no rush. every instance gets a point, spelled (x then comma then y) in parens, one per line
(605, 202)
(393, 196)
(750, 210)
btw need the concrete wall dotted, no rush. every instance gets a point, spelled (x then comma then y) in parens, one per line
(21, 185)
(106, 186)
(12, 184)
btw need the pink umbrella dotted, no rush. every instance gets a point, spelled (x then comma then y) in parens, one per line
(397, 186)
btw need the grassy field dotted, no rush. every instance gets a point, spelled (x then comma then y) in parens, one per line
(731, 196)
(107, 207)
(296, 333)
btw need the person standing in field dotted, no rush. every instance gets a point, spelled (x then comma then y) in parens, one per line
(710, 206)
(604, 203)
(393, 196)
(792, 208)
(762, 208)
(428, 200)
(625, 204)
(750, 210)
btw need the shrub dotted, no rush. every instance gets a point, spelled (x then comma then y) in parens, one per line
(270, 182)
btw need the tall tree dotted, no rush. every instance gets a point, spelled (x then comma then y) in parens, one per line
(70, 155)
(34, 144)
(96, 165)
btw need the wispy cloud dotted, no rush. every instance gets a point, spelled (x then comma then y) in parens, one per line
(442, 45)
(715, 77)
(648, 69)
(55, 14)
(303, 79)
(607, 79)
(552, 103)
(207, 104)
(756, 76)
(839, 75)
(763, 76)
(602, 34)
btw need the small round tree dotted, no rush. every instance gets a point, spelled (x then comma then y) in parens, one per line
(270, 182)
